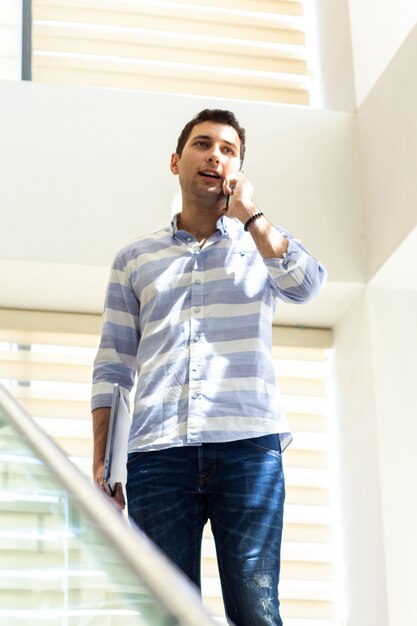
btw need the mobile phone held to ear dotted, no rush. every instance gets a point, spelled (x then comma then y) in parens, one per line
(230, 194)
(228, 198)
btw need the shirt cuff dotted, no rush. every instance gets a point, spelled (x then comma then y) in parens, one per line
(292, 258)
(102, 395)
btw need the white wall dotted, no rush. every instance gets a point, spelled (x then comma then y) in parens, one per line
(393, 329)
(357, 41)
(387, 135)
(376, 405)
(364, 585)
(376, 339)
(379, 28)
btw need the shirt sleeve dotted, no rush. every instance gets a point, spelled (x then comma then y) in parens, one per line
(116, 360)
(299, 276)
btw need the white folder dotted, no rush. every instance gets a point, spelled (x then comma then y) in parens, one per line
(117, 442)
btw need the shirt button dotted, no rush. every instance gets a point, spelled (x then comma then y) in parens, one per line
(198, 281)
(197, 309)
(189, 238)
(194, 396)
(196, 338)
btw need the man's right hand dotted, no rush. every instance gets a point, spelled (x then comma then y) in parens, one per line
(116, 496)
(101, 418)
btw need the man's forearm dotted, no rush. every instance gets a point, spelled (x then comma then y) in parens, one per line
(270, 243)
(101, 418)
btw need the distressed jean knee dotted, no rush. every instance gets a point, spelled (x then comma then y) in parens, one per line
(260, 586)
(261, 591)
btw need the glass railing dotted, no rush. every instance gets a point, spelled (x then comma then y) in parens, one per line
(67, 557)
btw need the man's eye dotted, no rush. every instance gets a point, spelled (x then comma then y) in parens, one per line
(204, 144)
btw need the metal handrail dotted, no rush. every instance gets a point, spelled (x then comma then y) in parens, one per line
(163, 579)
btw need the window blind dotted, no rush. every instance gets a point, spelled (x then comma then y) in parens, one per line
(46, 361)
(10, 39)
(245, 49)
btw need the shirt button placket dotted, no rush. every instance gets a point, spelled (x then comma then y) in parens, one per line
(196, 347)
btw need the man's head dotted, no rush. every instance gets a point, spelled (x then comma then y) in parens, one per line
(218, 116)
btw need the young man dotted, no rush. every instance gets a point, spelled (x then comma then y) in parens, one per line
(189, 312)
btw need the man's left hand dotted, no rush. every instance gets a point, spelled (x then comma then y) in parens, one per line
(239, 190)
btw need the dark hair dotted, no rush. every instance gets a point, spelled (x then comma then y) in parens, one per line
(212, 115)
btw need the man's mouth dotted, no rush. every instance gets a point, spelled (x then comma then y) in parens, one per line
(209, 174)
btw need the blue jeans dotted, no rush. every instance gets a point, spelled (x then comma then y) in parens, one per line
(239, 486)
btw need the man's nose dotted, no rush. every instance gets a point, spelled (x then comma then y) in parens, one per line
(214, 155)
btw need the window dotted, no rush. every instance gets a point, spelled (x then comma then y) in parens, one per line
(245, 49)
(46, 361)
(10, 39)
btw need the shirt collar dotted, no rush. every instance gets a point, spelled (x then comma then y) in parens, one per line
(223, 224)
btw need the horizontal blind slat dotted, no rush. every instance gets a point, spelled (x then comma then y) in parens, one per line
(62, 338)
(169, 47)
(55, 407)
(79, 329)
(307, 552)
(63, 392)
(301, 386)
(311, 459)
(182, 71)
(306, 477)
(297, 570)
(304, 533)
(280, 7)
(307, 423)
(204, 11)
(295, 352)
(257, 27)
(169, 84)
(307, 609)
(314, 496)
(31, 370)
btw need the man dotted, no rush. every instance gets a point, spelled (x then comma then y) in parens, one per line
(189, 311)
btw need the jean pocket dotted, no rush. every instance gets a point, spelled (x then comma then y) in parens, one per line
(267, 444)
(134, 457)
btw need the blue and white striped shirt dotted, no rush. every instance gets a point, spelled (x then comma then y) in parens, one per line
(194, 325)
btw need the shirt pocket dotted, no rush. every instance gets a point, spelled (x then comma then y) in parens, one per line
(247, 270)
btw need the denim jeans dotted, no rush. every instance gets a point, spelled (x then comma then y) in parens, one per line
(239, 486)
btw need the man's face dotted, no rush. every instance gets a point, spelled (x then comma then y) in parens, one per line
(212, 151)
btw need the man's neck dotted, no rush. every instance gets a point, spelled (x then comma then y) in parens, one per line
(200, 223)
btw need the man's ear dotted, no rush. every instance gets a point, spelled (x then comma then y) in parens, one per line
(174, 162)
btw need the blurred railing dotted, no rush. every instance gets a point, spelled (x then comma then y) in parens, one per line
(67, 556)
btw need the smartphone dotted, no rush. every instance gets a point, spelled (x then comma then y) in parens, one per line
(230, 194)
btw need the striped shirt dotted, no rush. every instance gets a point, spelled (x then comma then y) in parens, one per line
(193, 326)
